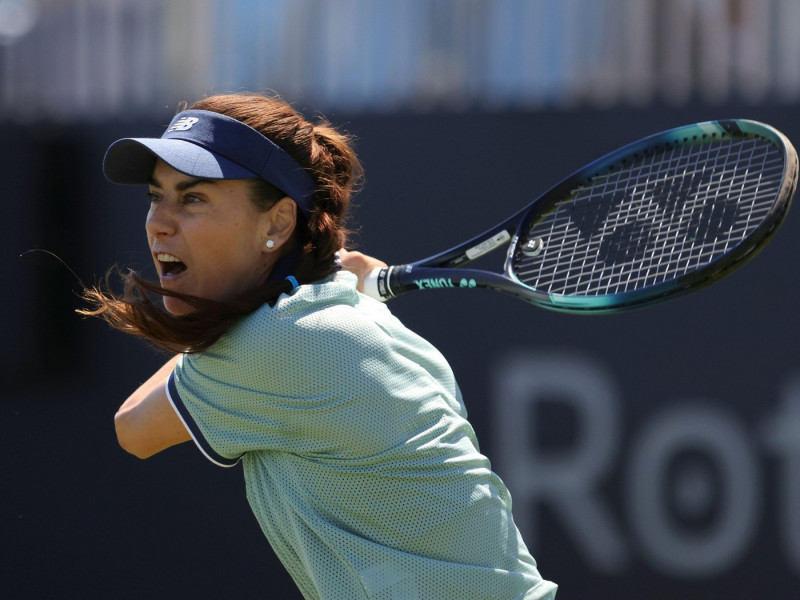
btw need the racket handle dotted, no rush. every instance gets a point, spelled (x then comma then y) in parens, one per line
(376, 284)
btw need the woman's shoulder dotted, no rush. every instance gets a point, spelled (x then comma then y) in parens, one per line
(330, 306)
(319, 326)
(313, 301)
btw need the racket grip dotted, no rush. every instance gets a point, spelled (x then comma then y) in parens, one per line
(376, 284)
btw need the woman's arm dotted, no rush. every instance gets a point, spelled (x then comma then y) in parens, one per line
(146, 423)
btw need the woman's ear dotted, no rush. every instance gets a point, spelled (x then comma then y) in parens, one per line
(280, 221)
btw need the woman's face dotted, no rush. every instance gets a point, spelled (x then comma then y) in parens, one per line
(206, 236)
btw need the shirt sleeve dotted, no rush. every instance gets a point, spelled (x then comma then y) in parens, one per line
(194, 429)
(313, 377)
(233, 400)
(277, 382)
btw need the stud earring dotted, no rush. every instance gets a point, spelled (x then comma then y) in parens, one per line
(270, 244)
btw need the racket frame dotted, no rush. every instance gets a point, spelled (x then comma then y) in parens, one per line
(444, 270)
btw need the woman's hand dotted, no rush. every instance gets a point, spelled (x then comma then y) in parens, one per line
(360, 264)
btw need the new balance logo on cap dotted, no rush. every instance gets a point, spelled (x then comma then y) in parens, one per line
(183, 124)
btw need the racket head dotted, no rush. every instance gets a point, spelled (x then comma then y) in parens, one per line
(665, 215)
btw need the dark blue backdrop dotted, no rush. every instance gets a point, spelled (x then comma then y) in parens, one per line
(657, 450)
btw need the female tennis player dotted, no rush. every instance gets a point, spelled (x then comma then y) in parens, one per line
(359, 462)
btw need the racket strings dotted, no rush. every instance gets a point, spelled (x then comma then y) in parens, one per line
(654, 219)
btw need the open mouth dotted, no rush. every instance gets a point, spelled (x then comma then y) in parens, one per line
(169, 265)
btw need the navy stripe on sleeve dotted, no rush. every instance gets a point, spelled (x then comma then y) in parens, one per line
(193, 429)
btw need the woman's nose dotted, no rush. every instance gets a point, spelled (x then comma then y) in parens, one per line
(160, 221)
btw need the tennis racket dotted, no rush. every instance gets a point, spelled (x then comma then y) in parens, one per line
(660, 217)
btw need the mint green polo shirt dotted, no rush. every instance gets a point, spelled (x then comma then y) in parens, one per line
(358, 459)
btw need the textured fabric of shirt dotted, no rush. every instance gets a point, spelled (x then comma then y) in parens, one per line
(358, 459)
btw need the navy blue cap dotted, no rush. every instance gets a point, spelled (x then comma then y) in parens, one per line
(210, 145)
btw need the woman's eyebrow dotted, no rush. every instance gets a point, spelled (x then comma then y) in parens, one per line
(185, 184)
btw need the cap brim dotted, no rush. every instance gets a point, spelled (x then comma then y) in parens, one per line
(132, 160)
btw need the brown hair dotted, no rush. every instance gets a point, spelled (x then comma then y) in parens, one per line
(326, 154)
